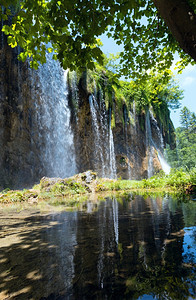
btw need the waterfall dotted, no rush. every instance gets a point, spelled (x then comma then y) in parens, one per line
(112, 158)
(127, 143)
(149, 145)
(166, 168)
(97, 141)
(112, 154)
(104, 155)
(127, 152)
(161, 142)
(105, 134)
(53, 118)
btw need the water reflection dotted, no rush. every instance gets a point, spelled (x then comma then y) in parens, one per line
(126, 248)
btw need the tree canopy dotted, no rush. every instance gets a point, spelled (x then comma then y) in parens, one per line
(72, 30)
(184, 156)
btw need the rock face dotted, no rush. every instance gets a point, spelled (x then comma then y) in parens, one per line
(31, 145)
(34, 122)
(19, 162)
(135, 145)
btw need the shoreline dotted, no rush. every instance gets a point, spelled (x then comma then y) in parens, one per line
(83, 186)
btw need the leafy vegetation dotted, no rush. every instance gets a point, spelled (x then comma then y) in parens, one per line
(184, 156)
(73, 28)
(117, 185)
(17, 196)
(156, 94)
(177, 180)
(70, 191)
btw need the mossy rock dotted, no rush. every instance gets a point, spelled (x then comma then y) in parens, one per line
(88, 176)
(46, 182)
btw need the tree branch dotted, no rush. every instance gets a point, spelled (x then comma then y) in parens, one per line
(181, 21)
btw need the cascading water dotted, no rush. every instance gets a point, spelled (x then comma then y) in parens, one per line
(126, 144)
(53, 117)
(104, 133)
(134, 116)
(105, 162)
(98, 148)
(149, 145)
(166, 168)
(112, 158)
(127, 152)
(35, 124)
(160, 137)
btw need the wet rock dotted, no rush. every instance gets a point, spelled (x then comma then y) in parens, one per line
(33, 200)
(88, 176)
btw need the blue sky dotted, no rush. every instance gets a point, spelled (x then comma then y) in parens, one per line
(186, 80)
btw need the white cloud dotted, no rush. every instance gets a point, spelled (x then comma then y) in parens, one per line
(190, 68)
(188, 80)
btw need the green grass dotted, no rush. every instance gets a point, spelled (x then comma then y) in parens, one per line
(177, 180)
(117, 185)
(70, 191)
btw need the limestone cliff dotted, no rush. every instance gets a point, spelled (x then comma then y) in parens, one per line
(129, 136)
(19, 159)
(51, 126)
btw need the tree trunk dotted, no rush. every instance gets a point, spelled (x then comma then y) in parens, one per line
(181, 21)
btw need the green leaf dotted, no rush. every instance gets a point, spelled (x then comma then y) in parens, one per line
(49, 50)
(11, 41)
(6, 29)
(34, 65)
(23, 56)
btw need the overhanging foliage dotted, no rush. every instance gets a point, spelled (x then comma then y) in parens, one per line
(73, 27)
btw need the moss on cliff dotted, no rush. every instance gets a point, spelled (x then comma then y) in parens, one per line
(122, 96)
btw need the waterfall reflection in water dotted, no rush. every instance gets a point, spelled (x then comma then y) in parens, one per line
(124, 248)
